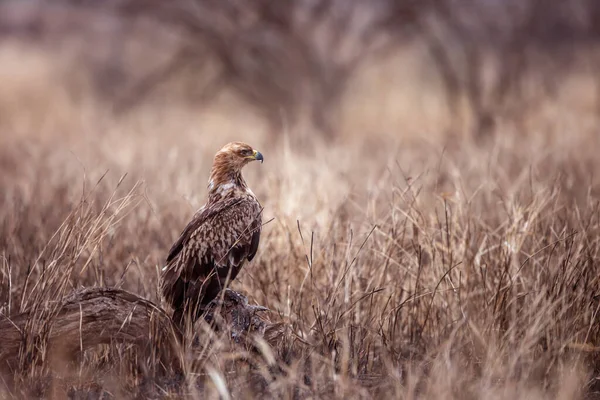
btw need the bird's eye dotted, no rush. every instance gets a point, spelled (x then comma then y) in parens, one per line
(246, 152)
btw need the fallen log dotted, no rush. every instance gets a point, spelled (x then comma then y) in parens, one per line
(85, 319)
(95, 316)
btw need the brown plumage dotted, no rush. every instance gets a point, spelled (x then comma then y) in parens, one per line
(222, 235)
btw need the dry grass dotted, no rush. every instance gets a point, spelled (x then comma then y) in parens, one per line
(404, 262)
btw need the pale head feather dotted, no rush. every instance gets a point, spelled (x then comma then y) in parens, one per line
(226, 172)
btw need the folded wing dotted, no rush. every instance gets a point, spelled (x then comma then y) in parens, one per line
(210, 251)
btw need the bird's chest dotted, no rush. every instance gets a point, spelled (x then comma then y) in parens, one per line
(231, 235)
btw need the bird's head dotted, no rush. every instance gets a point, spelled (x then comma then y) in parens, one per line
(236, 155)
(228, 164)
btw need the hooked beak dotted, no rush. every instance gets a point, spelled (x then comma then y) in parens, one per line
(258, 157)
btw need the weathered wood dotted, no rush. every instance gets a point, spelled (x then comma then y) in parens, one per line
(95, 316)
(86, 319)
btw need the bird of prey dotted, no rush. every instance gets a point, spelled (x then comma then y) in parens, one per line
(219, 239)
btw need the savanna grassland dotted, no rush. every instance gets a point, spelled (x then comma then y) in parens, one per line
(404, 257)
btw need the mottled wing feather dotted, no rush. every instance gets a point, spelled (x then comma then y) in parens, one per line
(213, 245)
(204, 215)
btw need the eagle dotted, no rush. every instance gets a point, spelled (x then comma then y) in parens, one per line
(217, 242)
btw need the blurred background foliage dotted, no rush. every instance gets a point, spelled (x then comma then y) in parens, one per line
(468, 64)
